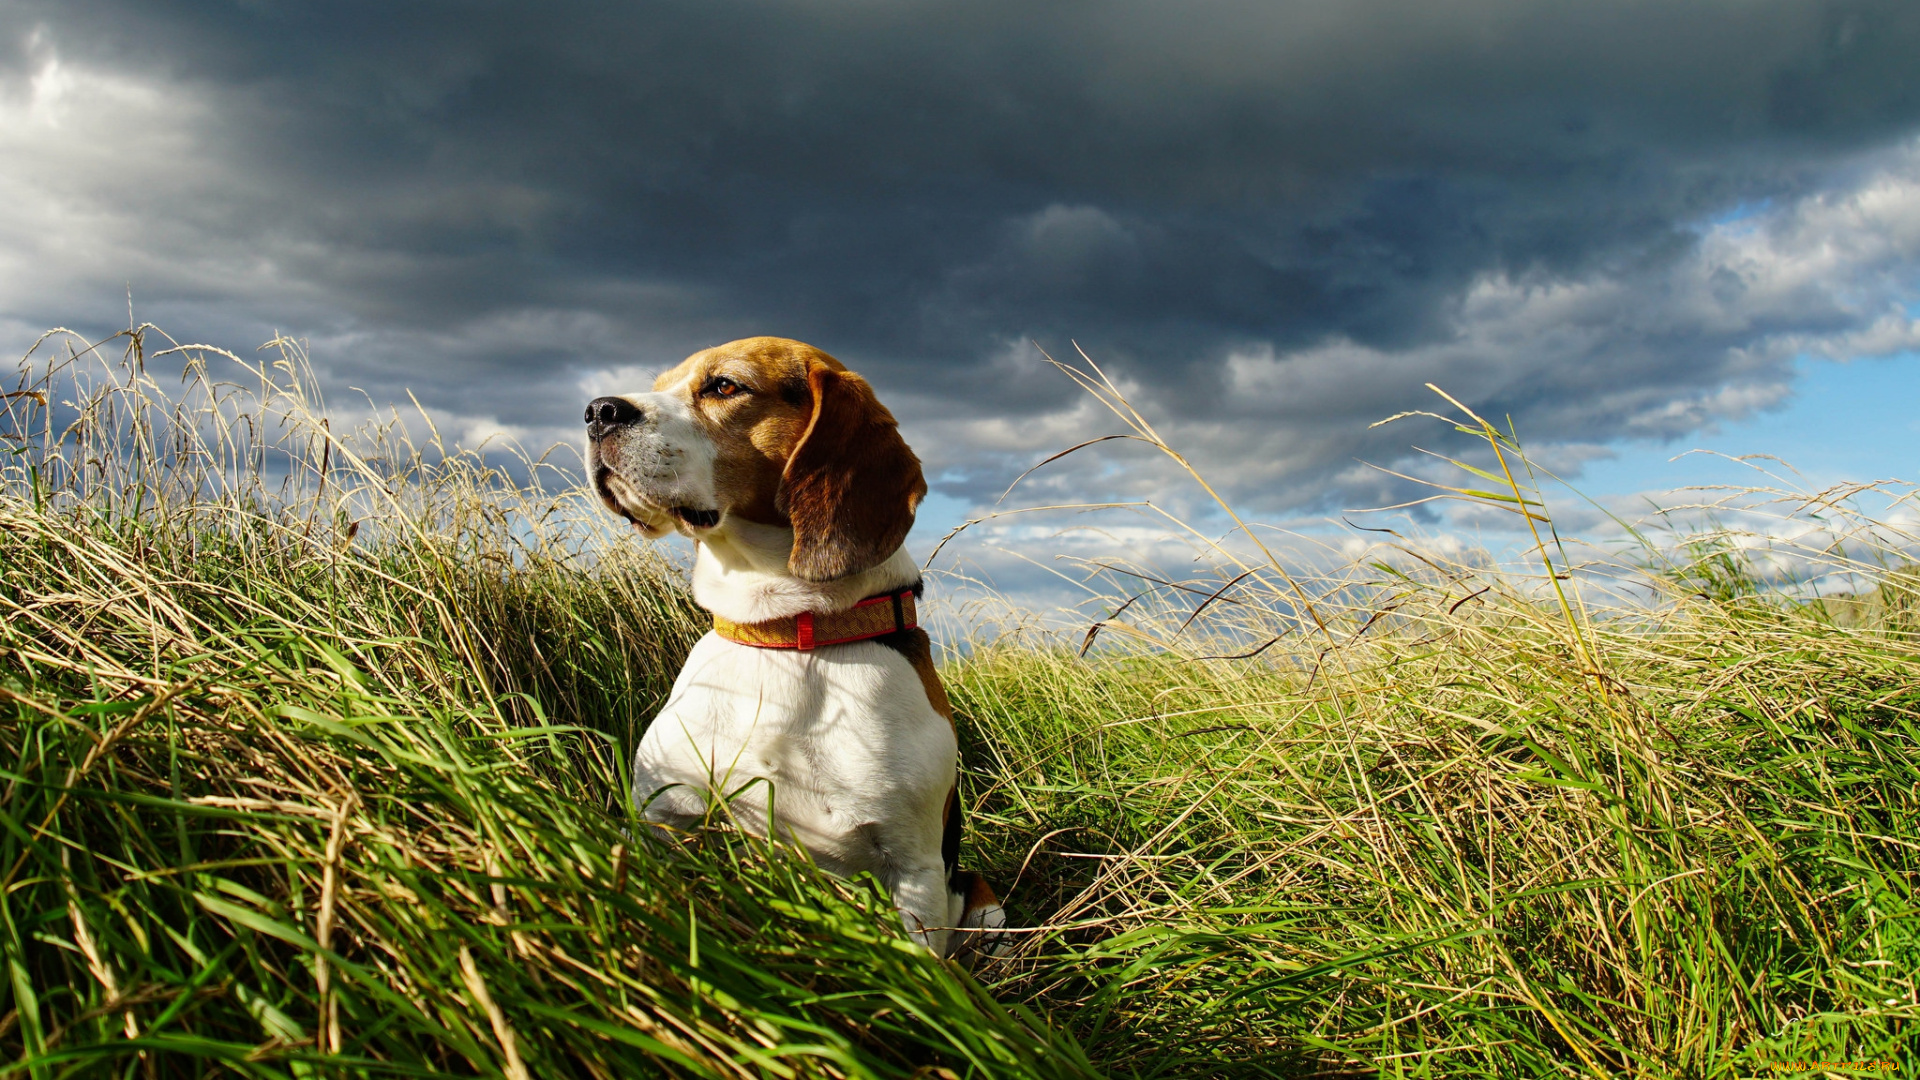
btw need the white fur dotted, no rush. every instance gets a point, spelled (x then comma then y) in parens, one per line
(740, 573)
(837, 749)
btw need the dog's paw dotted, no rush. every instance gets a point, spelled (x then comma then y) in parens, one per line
(981, 922)
(982, 933)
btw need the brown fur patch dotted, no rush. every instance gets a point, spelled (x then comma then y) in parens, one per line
(980, 894)
(973, 889)
(917, 647)
(852, 485)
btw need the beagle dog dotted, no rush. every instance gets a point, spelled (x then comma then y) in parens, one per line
(812, 710)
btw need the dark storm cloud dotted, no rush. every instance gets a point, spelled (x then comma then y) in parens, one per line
(1276, 220)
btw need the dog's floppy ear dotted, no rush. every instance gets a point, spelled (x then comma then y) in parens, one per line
(851, 486)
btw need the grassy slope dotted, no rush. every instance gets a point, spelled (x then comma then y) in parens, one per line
(261, 805)
(297, 804)
(1459, 858)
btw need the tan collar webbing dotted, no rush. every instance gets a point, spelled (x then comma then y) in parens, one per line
(876, 616)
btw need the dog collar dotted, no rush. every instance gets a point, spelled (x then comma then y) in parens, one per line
(876, 616)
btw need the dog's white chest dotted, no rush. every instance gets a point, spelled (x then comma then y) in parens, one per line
(830, 748)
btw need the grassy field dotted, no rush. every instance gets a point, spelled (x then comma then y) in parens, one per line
(312, 746)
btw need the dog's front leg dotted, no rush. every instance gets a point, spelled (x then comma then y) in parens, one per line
(908, 863)
(920, 894)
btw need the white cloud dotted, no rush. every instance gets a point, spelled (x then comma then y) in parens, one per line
(91, 155)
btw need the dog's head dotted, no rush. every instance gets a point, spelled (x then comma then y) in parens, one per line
(763, 430)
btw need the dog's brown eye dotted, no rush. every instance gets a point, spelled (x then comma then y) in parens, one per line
(722, 388)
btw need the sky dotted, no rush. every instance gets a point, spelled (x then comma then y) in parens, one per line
(1632, 228)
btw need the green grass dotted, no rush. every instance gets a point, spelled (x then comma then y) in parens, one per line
(315, 769)
(1452, 861)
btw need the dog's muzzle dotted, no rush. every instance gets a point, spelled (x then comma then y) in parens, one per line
(607, 417)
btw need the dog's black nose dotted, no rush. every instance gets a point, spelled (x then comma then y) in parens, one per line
(606, 413)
